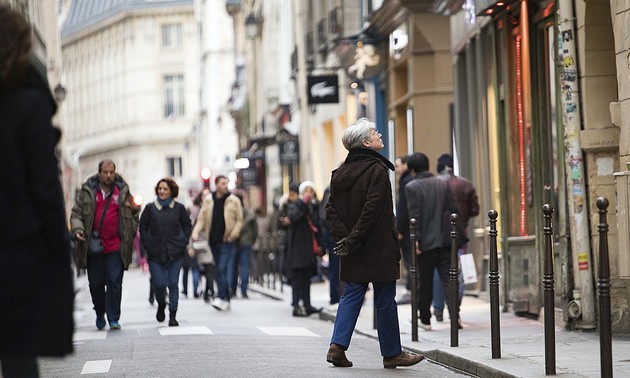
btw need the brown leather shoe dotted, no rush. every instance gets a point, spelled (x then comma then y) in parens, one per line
(337, 356)
(403, 359)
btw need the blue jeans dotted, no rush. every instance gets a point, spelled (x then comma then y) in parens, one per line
(105, 275)
(223, 254)
(240, 264)
(438, 289)
(386, 315)
(163, 274)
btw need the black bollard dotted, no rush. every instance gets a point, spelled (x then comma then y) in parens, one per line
(453, 306)
(603, 286)
(548, 281)
(413, 272)
(493, 276)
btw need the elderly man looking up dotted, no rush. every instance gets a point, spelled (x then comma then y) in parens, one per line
(360, 215)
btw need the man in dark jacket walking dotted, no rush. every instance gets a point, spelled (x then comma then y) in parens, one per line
(428, 198)
(361, 217)
(118, 229)
(468, 203)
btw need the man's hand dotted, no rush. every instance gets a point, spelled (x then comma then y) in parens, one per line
(79, 236)
(418, 251)
(341, 248)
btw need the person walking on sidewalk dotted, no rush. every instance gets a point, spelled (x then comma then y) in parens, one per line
(360, 215)
(221, 218)
(468, 203)
(428, 198)
(201, 249)
(300, 261)
(104, 202)
(240, 267)
(402, 223)
(36, 288)
(164, 231)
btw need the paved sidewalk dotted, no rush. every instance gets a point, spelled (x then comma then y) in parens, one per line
(522, 340)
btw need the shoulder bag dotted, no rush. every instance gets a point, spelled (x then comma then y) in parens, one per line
(95, 246)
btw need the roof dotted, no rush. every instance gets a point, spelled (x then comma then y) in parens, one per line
(84, 13)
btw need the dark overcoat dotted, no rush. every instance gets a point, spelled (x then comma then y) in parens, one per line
(360, 209)
(299, 252)
(36, 288)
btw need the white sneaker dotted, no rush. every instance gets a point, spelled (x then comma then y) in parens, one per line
(225, 305)
(426, 327)
(217, 303)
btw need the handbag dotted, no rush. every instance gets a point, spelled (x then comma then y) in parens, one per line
(317, 249)
(95, 246)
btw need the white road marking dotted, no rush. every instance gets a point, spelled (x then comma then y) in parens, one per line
(288, 331)
(99, 366)
(93, 335)
(170, 331)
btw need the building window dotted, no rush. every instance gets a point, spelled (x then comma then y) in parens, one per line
(172, 35)
(174, 166)
(173, 95)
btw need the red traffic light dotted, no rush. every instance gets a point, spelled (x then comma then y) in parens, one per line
(206, 174)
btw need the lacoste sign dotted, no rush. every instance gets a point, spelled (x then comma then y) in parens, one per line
(323, 89)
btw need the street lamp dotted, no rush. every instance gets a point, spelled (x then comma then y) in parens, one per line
(60, 93)
(251, 26)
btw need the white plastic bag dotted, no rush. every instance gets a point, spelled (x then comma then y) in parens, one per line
(469, 271)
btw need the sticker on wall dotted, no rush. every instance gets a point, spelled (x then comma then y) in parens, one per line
(578, 204)
(583, 261)
(568, 75)
(568, 61)
(567, 35)
(571, 107)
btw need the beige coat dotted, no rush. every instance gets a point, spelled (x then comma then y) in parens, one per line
(232, 213)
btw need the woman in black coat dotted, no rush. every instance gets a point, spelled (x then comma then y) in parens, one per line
(36, 288)
(164, 231)
(300, 261)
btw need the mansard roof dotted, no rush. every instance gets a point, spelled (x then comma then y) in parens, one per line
(84, 13)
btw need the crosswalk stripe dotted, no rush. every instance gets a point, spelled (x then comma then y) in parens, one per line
(288, 331)
(94, 335)
(98, 366)
(192, 330)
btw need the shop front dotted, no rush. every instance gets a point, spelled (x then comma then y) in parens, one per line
(508, 139)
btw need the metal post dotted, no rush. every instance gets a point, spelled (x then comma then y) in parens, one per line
(548, 281)
(493, 276)
(453, 306)
(413, 272)
(603, 286)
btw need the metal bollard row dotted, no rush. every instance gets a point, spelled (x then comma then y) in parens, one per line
(603, 288)
(453, 305)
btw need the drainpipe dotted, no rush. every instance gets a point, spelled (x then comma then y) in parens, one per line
(583, 302)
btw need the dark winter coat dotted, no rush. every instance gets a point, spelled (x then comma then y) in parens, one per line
(164, 231)
(82, 218)
(465, 194)
(428, 198)
(36, 288)
(361, 209)
(299, 253)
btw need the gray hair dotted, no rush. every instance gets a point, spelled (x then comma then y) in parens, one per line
(358, 132)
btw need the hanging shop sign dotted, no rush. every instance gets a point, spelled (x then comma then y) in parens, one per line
(289, 151)
(361, 60)
(323, 89)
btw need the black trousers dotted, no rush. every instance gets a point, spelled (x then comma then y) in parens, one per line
(427, 261)
(301, 286)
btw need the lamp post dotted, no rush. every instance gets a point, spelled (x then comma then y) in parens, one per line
(60, 93)
(251, 26)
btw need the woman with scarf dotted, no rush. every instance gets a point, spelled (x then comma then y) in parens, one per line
(164, 231)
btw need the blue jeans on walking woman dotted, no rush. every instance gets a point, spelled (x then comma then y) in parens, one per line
(386, 315)
(163, 274)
